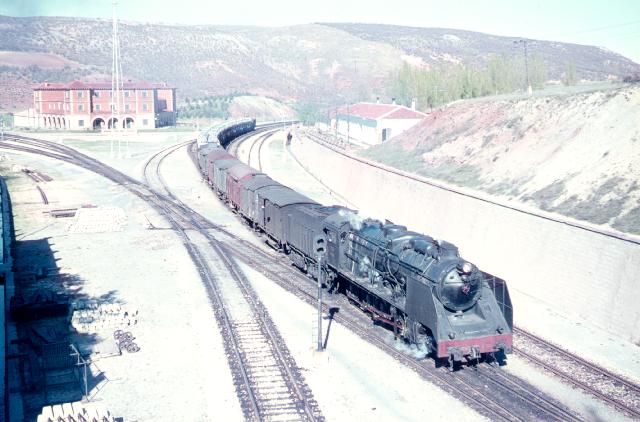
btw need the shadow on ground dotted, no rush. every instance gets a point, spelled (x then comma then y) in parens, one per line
(53, 355)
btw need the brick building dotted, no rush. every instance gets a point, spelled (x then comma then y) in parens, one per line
(87, 105)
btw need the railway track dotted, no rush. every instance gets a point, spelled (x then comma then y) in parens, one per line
(508, 398)
(269, 383)
(260, 139)
(260, 142)
(611, 388)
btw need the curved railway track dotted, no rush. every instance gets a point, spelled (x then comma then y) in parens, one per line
(269, 384)
(258, 138)
(508, 398)
(267, 380)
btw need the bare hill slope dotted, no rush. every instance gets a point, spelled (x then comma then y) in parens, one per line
(576, 155)
(315, 62)
(437, 45)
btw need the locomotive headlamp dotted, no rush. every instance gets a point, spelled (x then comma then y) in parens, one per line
(467, 267)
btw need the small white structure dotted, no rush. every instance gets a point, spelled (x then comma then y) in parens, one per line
(374, 123)
(25, 118)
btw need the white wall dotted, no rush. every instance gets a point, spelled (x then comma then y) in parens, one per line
(373, 135)
(365, 134)
(588, 276)
(25, 118)
(397, 126)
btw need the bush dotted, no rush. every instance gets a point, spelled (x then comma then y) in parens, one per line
(633, 78)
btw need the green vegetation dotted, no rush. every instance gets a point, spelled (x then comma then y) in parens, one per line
(411, 161)
(629, 222)
(38, 74)
(569, 76)
(310, 113)
(213, 106)
(7, 119)
(443, 84)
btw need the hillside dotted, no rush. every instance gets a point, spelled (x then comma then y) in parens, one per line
(320, 63)
(576, 155)
(433, 46)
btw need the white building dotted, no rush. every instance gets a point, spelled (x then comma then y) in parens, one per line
(374, 123)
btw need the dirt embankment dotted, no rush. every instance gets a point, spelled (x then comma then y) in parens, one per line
(575, 155)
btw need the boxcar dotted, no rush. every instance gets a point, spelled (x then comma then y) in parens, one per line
(250, 203)
(236, 175)
(220, 169)
(216, 155)
(275, 203)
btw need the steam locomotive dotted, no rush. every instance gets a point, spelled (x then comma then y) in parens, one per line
(418, 286)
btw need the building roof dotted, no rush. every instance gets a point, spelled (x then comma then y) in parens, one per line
(378, 111)
(100, 85)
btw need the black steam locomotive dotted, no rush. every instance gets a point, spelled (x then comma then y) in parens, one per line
(418, 286)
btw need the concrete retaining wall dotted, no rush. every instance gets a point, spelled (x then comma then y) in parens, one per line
(577, 272)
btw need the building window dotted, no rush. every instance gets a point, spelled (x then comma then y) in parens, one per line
(113, 107)
(66, 94)
(97, 107)
(79, 94)
(80, 107)
(49, 106)
(110, 94)
(97, 94)
(145, 107)
(144, 94)
(126, 94)
(145, 122)
(81, 123)
(126, 107)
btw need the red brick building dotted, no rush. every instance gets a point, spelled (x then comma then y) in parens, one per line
(87, 105)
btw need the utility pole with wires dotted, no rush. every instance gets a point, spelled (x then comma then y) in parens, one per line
(526, 63)
(117, 97)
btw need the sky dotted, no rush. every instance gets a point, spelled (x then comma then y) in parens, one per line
(613, 24)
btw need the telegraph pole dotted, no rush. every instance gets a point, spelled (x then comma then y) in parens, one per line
(336, 128)
(526, 63)
(319, 242)
(348, 125)
(116, 81)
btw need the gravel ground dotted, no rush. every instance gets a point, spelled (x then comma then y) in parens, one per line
(180, 373)
(122, 261)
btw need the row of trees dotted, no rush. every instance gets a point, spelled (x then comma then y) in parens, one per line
(214, 107)
(442, 84)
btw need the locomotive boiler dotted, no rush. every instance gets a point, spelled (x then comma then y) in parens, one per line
(418, 286)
